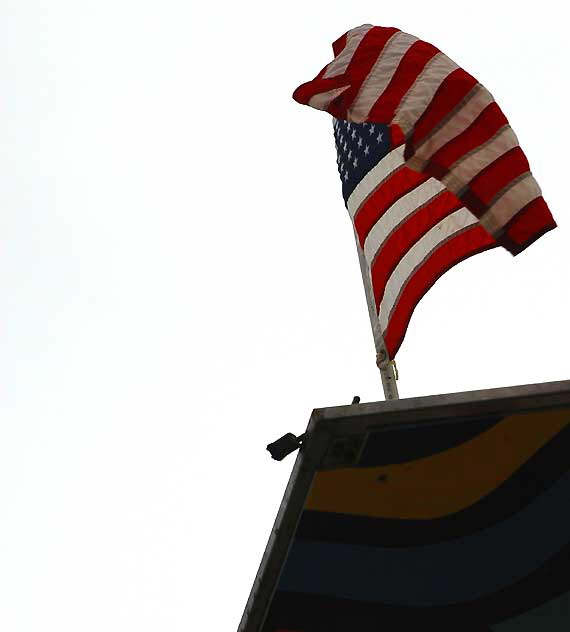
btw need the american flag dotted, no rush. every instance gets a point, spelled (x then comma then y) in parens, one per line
(431, 171)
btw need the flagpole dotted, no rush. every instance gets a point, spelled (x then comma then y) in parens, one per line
(383, 362)
(389, 375)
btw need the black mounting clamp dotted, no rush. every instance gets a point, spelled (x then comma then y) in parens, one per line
(287, 444)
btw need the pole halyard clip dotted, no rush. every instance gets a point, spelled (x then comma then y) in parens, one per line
(383, 362)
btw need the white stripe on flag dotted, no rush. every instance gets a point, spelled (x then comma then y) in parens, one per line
(460, 120)
(340, 63)
(380, 76)
(509, 204)
(420, 95)
(322, 100)
(397, 213)
(374, 178)
(416, 255)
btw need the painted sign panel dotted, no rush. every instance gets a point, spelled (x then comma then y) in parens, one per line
(456, 524)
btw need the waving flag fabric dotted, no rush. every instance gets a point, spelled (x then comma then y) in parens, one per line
(431, 171)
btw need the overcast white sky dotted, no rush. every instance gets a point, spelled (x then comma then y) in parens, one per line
(179, 285)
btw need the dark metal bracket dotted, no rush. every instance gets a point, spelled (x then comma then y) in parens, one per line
(287, 444)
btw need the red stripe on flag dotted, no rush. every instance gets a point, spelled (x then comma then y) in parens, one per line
(484, 127)
(533, 221)
(389, 192)
(397, 137)
(406, 235)
(487, 183)
(448, 96)
(411, 65)
(470, 242)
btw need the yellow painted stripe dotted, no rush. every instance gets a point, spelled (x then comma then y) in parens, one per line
(441, 484)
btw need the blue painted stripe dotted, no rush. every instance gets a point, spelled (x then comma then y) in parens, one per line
(451, 572)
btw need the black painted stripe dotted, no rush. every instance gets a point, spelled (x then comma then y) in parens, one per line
(398, 445)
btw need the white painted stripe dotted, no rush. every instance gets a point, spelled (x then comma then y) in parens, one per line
(374, 178)
(322, 100)
(454, 223)
(460, 120)
(467, 167)
(422, 91)
(509, 204)
(340, 63)
(380, 76)
(397, 213)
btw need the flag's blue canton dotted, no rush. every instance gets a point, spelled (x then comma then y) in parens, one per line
(360, 147)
